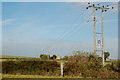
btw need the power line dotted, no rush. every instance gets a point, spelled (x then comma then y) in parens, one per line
(78, 28)
(82, 25)
(69, 27)
(73, 28)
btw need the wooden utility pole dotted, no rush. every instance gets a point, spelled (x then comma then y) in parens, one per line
(48, 52)
(96, 7)
(103, 37)
(94, 33)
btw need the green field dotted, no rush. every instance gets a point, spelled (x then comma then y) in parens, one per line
(38, 77)
(49, 77)
(9, 56)
(32, 76)
(16, 58)
(21, 58)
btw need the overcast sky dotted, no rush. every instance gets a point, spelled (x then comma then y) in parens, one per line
(29, 29)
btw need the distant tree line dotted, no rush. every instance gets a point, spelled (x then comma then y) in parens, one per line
(46, 57)
(83, 54)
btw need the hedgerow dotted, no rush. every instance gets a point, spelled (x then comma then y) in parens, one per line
(31, 67)
(76, 66)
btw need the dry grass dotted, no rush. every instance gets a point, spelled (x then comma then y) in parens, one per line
(33, 76)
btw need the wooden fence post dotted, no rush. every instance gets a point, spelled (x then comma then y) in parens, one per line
(61, 69)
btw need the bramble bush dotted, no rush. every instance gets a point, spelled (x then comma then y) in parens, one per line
(89, 66)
